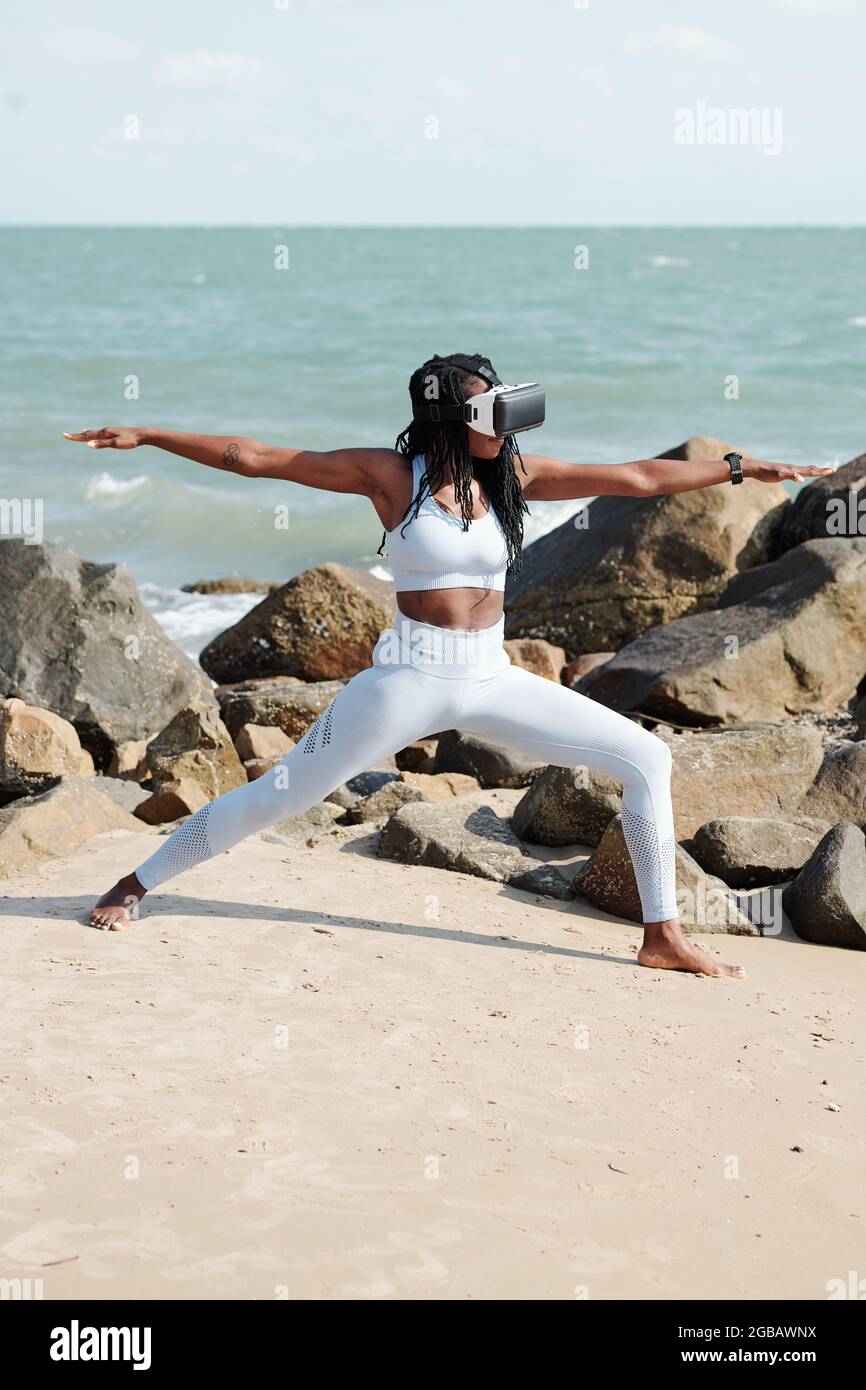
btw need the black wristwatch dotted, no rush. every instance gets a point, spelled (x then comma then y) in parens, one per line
(735, 463)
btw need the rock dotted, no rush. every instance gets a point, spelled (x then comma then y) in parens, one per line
(365, 783)
(830, 506)
(123, 792)
(441, 786)
(787, 638)
(257, 767)
(839, 790)
(55, 822)
(826, 902)
(262, 741)
(751, 853)
(761, 772)
(86, 765)
(381, 804)
(76, 639)
(174, 799)
(361, 786)
(468, 839)
(859, 715)
(231, 586)
(705, 903)
(195, 746)
(130, 760)
(418, 756)
(322, 625)
(390, 795)
(578, 672)
(731, 772)
(36, 748)
(306, 829)
(537, 656)
(625, 564)
(492, 765)
(289, 705)
(566, 806)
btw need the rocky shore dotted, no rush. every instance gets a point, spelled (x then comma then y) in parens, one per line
(731, 621)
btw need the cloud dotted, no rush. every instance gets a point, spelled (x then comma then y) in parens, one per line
(201, 70)
(684, 41)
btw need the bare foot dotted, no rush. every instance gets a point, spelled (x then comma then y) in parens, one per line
(118, 908)
(666, 948)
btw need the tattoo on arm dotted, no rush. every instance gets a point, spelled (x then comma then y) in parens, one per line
(231, 455)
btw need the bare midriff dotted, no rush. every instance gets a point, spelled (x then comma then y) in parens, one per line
(463, 608)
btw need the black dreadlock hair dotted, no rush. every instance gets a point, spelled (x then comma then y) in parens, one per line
(448, 442)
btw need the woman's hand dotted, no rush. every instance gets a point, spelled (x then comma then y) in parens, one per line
(109, 438)
(764, 472)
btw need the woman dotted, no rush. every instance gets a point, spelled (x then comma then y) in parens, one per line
(452, 504)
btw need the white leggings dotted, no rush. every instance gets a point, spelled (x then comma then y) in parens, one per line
(425, 680)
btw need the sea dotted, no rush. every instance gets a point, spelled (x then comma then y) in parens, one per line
(307, 338)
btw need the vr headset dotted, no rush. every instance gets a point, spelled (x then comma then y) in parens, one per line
(499, 411)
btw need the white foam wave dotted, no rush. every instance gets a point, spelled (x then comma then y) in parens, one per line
(669, 260)
(105, 488)
(858, 321)
(193, 620)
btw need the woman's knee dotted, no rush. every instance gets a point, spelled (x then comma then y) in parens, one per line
(652, 760)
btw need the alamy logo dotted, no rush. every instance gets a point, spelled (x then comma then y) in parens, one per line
(76, 1343)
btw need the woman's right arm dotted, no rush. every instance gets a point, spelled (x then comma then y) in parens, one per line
(363, 471)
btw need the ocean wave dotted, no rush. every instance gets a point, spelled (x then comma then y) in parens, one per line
(858, 321)
(193, 620)
(105, 488)
(669, 260)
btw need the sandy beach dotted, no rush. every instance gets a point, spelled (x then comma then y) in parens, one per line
(439, 1088)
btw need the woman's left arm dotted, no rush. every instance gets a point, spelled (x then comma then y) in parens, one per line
(551, 480)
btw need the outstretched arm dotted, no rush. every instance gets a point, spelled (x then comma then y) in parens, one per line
(551, 480)
(362, 471)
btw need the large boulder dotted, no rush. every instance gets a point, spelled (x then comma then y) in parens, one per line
(195, 746)
(322, 625)
(704, 902)
(76, 639)
(537, 656)
(827, 900)
(625, 564)
(36, 828)
(787, 638)
(830, 506)
(753, 852)
(566, 806)
(729, 772)
(761, 772)
(839, 790)
(36, 748)
(468, 837)
(492, 764)
(281, 703)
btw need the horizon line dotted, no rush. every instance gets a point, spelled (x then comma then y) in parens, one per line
(436, 226)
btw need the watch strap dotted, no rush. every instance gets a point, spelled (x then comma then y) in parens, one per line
(735, 463)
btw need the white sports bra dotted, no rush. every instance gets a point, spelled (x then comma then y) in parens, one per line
(434, 552)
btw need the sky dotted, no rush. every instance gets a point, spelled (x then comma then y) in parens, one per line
(312, 112)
